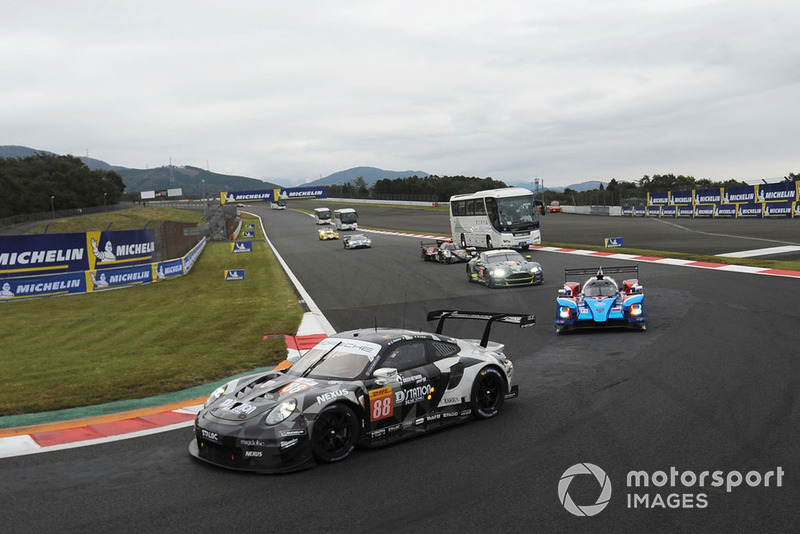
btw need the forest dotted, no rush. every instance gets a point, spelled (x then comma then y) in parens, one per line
(49, 182)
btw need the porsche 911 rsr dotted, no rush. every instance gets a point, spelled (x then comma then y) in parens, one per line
(504, 267)
(357, 241)
(601, 302)
(445, 251)
(327, 233)
(367, 387)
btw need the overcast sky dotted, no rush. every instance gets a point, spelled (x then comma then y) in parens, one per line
(290, 92)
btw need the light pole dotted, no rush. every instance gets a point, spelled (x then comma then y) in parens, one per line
(52, 206)
(105, 205)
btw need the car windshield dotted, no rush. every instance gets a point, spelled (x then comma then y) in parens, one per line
(448, 246)
(336, 358)
(501, 258)
(600, 288)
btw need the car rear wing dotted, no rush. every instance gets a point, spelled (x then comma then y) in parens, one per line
(593, 271)
(523, 321)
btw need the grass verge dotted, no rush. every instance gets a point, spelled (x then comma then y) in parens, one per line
(136, 342)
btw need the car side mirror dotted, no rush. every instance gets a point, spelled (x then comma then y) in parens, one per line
(385, 375)
(562, 292)
(527, 257)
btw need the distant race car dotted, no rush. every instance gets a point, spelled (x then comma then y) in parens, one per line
(601, 302)
(555, 207)
(356, 241)
(327, 233)
(504, 267)
(367, 387)
(445, 251)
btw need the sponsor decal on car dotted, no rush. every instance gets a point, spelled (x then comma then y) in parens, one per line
(414, 395)
(381, 405)
(331, 395)
(296, 386)
(211, 436)
(288, 433)
(252, 443)
(289, 443)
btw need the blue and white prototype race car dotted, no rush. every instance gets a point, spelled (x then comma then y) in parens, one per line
(367, 387)
(601, 302)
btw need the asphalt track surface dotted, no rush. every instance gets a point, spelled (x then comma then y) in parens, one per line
(711, 385)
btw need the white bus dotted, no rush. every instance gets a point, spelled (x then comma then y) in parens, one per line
(322, 215)
(279, 204)
(345, 219)
(502, 218)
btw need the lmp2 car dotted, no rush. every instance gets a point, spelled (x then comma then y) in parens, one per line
(504, 267)
(443, 250)
(601, 302)
(327, 233)
(367, 387)
(357, 241)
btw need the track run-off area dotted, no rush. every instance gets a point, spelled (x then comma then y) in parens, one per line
(711, 386)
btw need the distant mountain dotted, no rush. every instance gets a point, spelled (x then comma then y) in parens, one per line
(582, 186)
(14, 151)
(192, 180)
(369, 174)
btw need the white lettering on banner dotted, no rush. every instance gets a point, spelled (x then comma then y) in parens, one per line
(736, 198)
(47, 287)
(128, 277)
(778, 194)
(41, 256)
(173, 269)
(135, 249)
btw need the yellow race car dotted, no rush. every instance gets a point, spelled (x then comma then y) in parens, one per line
(327, 233)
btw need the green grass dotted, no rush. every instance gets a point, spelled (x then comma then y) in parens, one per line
(136, 342)
(120, 220)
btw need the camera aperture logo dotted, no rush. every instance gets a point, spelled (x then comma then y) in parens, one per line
(669, 488)
(602, 499)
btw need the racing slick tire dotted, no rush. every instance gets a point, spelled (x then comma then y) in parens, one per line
(335, 433)
(488, 393)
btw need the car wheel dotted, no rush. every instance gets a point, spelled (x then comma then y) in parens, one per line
(488, 242)
(335, 433)
(488, 393)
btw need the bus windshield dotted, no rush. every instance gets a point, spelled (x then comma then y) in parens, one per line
(512, 213)
(349, 217)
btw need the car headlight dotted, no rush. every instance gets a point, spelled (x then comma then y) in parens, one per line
(636, 309)
(217, 393)
(564, 312)
(535, 269)
(499, 272)
(281, 412)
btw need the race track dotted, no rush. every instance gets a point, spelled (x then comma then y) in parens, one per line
(711, 385)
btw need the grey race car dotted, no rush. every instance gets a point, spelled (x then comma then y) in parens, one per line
(357, 241)
(367, 387)
(504, 267)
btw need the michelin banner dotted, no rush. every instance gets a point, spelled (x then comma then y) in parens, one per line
(273, 195)
(100, 279)
(27, 255)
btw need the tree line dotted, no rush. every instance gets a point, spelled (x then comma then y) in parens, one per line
(440, 188)
(45, 182)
